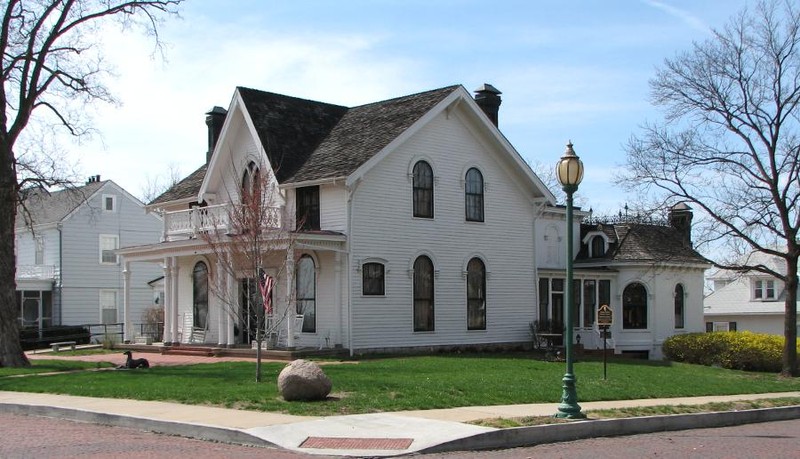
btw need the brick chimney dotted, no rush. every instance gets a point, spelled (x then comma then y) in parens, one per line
(214, 120)
(488, 99)
(680, 217)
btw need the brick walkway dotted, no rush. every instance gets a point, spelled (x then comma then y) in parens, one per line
(155, 359)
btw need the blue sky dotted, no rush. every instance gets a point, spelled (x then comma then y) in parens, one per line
(568, 69)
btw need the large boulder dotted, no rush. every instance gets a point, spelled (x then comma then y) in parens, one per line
(303, 380)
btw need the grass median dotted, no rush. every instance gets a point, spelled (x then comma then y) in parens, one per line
(406, 383)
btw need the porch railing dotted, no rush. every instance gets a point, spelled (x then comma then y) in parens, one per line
(185, 224)
(36, 272)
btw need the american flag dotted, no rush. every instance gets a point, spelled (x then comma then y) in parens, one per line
(265, 284)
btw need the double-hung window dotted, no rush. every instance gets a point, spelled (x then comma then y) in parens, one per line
(109, 243)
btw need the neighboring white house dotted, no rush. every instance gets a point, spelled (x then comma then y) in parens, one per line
(421, 227)
(751, 301)
(68, 272)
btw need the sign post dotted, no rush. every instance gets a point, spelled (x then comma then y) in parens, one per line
(605, 317)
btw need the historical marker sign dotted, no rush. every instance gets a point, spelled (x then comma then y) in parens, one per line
(604, 316)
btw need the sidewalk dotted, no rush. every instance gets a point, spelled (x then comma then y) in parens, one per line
(377, 434)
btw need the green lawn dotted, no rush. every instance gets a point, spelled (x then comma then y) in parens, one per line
(406, 383)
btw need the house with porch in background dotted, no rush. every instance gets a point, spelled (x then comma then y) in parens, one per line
(67, 270)
(414, 224)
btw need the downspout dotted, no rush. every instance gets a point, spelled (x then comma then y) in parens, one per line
(350, 265)
(60, 283)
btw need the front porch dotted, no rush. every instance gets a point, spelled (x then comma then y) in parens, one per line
(210, 350)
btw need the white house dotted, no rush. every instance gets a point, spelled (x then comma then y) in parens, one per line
(415, 224)
(644, 269)
(751, 301)
(67, 270)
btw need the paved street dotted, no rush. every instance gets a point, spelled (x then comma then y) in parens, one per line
(31, 436)
(773, 440)
(44, 438)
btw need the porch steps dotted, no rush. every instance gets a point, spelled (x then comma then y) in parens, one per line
(189, 350)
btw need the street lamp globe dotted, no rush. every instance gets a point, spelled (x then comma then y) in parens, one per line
(569, 169)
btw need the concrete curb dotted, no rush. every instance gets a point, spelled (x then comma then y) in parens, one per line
(182, 429)
(553, 433)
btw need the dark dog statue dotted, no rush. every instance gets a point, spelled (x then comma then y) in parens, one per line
(132, 363)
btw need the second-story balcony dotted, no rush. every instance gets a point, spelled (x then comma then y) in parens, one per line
(189, 223)
(36, 272)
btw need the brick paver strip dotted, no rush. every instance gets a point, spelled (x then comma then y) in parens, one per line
(356, 443)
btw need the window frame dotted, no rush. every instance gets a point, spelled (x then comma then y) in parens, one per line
(628, 313)
(680, 306)
(422, 195)
(113, 198)
(307, 208)
(428, 301)
(200, 297)
(764, 290)
(474, 191)
(476, 298)
(373, 283)
(309, 316)
(106, 238)
(101, 303)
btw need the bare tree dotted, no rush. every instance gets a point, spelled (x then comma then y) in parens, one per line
(52, 68)
(729, 145)
(155, 186)
(252, 239)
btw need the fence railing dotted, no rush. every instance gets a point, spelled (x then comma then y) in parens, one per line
(189, 223)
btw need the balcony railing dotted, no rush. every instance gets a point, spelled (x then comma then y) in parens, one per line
(186, 224)
(36, 272)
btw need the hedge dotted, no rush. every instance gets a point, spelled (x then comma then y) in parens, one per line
(737, 350)
(31, 338)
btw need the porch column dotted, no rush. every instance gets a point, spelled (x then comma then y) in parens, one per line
(175, 274)
(337, 268)
(232, 312)
(224, 298)
(291, 304)
(167, 338)
(126, 301)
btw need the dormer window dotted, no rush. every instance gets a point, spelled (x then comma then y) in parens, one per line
(598, 247)
(764, 289)
(597, 243)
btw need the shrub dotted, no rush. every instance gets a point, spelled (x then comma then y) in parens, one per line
(734, 350)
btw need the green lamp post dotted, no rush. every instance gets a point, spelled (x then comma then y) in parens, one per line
(569, 172)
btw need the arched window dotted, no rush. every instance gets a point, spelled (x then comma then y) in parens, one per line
(307, 293)
(473, 195)
(423, 294)
(634, 306)
(200, 295)
(476, 295)
(423, 190)
(250, 182)
(680, 318)
(598, 247)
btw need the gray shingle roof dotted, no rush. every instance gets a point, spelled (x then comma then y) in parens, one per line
(51, 207)
(631, 242)
(308, 140)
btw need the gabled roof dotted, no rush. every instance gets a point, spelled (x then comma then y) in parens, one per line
(308, 140)
(735, 299)
(639, 242)
(52, 207)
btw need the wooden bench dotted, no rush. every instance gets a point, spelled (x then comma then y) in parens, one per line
(57, 346)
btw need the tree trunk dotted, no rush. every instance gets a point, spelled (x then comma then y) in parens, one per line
(789, 367)
(11, 354)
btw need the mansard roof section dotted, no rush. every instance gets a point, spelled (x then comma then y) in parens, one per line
(639, 242)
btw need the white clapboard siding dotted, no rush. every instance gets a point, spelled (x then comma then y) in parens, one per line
(383, 227)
